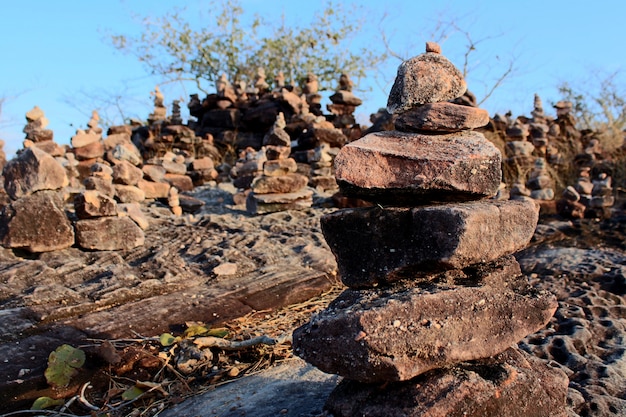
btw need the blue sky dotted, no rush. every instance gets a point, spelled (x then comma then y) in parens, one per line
(55, 54)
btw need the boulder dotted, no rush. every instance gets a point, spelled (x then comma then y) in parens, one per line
(108, 233)
(33, 170)
(36, 223)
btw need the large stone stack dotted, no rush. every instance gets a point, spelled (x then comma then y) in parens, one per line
(279, 187)
(436, 302)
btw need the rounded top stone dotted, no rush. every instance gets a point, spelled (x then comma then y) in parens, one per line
(426, 78)
(433, 47)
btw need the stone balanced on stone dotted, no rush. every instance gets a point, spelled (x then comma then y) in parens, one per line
(436, 302)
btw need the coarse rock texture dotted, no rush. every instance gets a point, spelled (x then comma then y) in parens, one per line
(270, 203)
(92, 203)
(426, 78)
(511, 384)
(36, 223)
(399, 168)
(584, 264)
(33, 170)
(376, 245)
(397, 333)
(281, 259)
(293, 388)
(283, 184)
(108, 233)
(441, 117)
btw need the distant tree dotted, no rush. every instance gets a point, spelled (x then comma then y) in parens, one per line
(599, 106)
(171, 48)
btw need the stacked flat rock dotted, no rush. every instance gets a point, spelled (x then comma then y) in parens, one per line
(35, 219)
(436, 301)
(279, 187)
(107, 218)
(87, 144)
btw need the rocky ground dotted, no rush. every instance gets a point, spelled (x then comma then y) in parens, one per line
(263, 275)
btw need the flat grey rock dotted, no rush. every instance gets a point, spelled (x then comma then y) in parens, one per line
(293, 388)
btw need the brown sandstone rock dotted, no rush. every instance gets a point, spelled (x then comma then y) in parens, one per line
(91, 151)
(203, 164)
(172, 167)
(400, 168)
(50, 147)
(126, 151)
(33, 170)
(182, 182)
(108, 233)
(128, 193)
(92, 203)
(133, 210)
(426, 78)
(511, 384)
(101, 184)
(36, 223)
(154, 189)
(126, 173)
(376, 245)
(114, 139)
(269, 203)
(397, 333)
(289, 183)
(82, 138)
(277, 152)
(279, 167)
(441, 117)
(155, 173)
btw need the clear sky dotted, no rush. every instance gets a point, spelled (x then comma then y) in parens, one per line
(55, 54)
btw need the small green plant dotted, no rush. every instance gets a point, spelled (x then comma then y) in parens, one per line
(63, 364)
(43, 403)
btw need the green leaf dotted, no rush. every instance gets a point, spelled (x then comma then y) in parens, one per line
(195, 330)
(167, 339)
(221, 332)
(63, 364)
(132, 393)
(42, 403)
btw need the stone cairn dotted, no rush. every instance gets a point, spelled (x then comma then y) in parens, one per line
(435, 301)
(279, 187)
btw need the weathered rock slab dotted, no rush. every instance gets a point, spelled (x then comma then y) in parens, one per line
(398, 333)
(512, 384)
(33, 170)
(36, 223)
(289, 183)
(441, 117)
(399, 168)
(270, 203)
(108, 233)
(377, 245)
